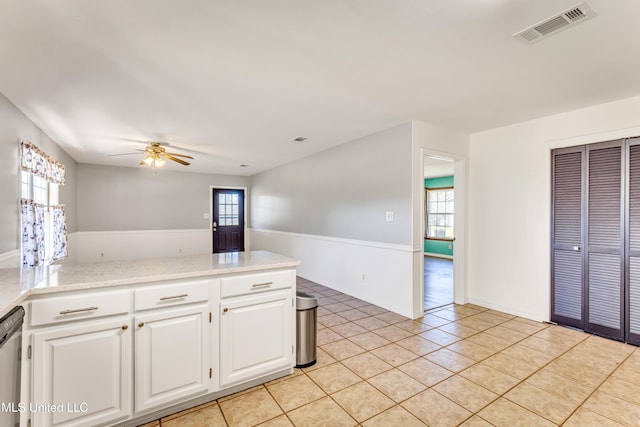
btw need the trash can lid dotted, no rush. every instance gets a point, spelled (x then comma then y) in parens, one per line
(305, 301)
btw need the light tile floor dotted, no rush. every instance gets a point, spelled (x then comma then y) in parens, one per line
(460, 365)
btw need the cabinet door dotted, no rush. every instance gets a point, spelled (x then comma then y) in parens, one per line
(171, 356)
(255, 336)
(82, 374)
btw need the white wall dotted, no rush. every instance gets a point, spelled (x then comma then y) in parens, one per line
(328, 210)
(379, 273)
(341, 192)
(510, 202)
(133, 213)
(100, 246)
(112, 198)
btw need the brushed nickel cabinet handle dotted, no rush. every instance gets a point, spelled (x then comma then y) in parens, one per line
(78, 310)
(174, 297)
(261, 285)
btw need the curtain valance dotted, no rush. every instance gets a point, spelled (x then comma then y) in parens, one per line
(36, 161)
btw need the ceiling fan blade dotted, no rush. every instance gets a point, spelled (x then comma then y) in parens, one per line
(175, 159)
(121, 154)
(179, 155)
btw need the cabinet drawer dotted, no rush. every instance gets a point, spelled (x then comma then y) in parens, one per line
(79, 307)
(254, 283)
(171, 295)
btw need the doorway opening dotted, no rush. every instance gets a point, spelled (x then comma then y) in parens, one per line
(228, 225)
(439, 231)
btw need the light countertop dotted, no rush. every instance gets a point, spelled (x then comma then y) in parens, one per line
(17, 284)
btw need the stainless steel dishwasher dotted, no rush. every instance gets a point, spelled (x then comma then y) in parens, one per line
(10, 357)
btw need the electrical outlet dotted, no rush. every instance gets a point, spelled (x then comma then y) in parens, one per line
(389, 216)
(364, 277)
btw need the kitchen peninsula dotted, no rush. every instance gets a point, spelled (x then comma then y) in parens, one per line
(130, 341)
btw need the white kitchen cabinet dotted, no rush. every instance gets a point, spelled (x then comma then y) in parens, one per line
(255, 335)
(99, 357)
(82, 374)
(171, 356)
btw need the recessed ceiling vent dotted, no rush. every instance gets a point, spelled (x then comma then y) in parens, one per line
(560, 21)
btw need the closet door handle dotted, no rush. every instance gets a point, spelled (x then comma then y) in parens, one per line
(577, 248)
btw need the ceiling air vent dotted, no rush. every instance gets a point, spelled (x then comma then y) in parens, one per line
(560, 21)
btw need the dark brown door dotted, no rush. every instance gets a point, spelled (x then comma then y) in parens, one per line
(633, 244)
(228, 220)
(567, 245)
(604, 299)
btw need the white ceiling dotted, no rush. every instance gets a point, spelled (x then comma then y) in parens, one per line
(436, 167)
(239, 79)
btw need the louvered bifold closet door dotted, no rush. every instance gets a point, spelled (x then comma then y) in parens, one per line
(605, 225)
(633, 243)
(566, 235)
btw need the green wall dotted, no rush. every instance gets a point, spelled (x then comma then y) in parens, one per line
(440, 182)
(438, 246)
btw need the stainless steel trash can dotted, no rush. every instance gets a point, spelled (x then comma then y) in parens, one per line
(306, 329)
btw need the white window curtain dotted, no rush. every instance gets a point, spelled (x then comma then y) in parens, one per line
(44, 227)
(43, 244)
(32, 235)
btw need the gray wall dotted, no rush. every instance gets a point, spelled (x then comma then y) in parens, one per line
(114, 198)
(341, 192)
(14, 126)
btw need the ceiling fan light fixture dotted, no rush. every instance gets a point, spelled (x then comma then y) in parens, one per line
(156, 156)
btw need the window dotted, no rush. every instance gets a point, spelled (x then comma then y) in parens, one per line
(439, 214)
(43, 226)
(45, 197)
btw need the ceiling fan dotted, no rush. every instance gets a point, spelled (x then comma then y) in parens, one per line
(156, 156)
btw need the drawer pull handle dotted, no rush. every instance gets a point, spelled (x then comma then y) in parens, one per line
(78, 310)
(261, 285)
(140, 325)
(125, 327)
(225, 310)
(174, 297)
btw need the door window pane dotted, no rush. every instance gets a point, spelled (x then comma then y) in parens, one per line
(228, 207)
